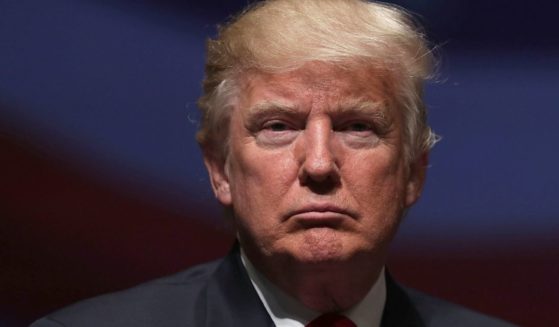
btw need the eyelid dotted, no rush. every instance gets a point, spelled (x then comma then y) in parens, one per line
(269, 135)
(357, 122)
(348, 125)
(292, 122)
(264, 114)
(377, 121)
(269, 123)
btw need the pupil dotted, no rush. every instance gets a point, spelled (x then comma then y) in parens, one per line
(278, 127)
(359, 127)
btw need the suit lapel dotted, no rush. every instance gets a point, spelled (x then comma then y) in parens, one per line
(231, 300)
(399, 310)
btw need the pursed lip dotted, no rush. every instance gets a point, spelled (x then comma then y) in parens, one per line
(320, 214)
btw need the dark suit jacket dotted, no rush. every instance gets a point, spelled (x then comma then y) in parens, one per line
(220, 294)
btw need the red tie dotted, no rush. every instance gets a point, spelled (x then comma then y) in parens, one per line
(331, 320)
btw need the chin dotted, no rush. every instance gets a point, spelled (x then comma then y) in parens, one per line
(323, 246)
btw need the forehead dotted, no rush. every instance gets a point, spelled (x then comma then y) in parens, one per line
(316, 85)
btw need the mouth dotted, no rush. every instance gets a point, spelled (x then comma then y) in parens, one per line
(322, 215)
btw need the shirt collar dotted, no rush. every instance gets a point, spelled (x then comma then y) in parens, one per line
(286, 311)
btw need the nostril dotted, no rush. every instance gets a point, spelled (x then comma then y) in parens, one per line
(325, 185)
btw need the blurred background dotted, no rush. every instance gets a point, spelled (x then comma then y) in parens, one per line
(102, 184)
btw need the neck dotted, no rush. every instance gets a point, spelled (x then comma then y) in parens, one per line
(323, 287)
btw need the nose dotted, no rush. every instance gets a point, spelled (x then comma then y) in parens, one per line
(318, 161)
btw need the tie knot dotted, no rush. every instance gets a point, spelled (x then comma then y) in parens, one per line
(331, 320)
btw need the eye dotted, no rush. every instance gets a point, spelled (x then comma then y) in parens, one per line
(358, 128)
(276, 126)
(358, 133)
(276, 133)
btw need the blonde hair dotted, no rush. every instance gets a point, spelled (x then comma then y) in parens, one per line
(282, 35)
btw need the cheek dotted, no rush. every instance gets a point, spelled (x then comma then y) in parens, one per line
(259, 179)
(373, 166)
(379, 198)
(260, 186)
(378, 185)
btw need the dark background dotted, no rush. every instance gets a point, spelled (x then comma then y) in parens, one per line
(102, 185)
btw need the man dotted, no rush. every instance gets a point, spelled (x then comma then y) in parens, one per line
(314, 134)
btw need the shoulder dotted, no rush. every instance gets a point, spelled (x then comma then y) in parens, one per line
(161, 302)
(435, 312)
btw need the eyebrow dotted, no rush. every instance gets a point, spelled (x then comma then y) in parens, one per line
(275, 106)
(264, 109)
(366, 107)
(377, 110)
(357, 106)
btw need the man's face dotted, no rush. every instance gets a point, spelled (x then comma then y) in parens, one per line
(315, 169)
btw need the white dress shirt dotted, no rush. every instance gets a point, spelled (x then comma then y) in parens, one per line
(286, 311)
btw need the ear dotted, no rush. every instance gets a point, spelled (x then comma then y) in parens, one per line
(416, 178)
(219, 178)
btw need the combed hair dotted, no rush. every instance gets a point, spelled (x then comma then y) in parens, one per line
(282, 35)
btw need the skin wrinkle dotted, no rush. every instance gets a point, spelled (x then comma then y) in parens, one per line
(267, 185)
(359, 170)
(348, 35)
(349, 107)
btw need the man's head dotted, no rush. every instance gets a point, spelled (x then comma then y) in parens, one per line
(279, 36)
(314, 132)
